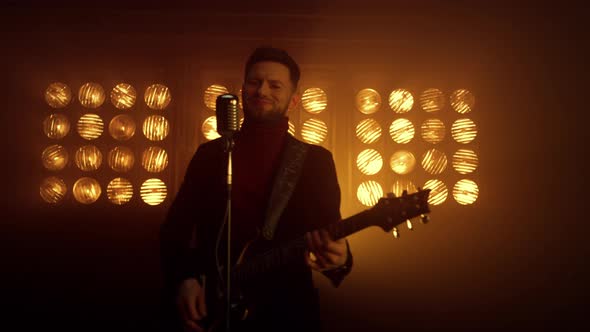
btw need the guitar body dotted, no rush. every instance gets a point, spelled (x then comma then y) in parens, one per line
(259, 257)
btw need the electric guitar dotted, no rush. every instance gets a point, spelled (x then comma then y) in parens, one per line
(388, 213)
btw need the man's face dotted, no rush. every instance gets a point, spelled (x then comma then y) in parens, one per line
(267, 92)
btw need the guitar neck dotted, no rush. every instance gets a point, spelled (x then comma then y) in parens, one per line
(294, 250)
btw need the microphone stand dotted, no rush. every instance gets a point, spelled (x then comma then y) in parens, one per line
(229, 145)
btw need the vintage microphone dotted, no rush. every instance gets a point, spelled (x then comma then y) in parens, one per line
(226, 112)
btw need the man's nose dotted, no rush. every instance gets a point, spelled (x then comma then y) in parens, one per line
(263, 89)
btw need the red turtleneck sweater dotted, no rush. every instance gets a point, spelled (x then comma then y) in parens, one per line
(256, 157)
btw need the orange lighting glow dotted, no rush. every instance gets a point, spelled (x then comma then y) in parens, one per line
(433, 131)
(403, 184)
(53, 190)
(369, 192)
(368, 131)
(465, 192)
(368, 101)
(401, 101)
(314, 131)
(119, 191)
(153, 191)
(122, 127)
(91, 95)
(464, 131)
(369, 162)
(123, 96)
(154, 159)
(157, 97)
(211, 94)
(402, 162)
(432, 100)
(56, 126)
(465, 161)
(121, 159)
(401, 131)
(156, 127)
(209, 128)
(462, 101)
(438, 193)
(434, 161)
(86, 190)
(54, 157)
(88, 158)
(58, 95)
(90, 126)
(314, 100)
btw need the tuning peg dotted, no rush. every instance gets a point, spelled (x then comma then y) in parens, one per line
(424, 218)
(409, 223)
(395, 233)
(390, 195)
(405, 193)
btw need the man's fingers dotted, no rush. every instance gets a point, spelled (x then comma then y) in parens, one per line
(201, 303)
(191, 326)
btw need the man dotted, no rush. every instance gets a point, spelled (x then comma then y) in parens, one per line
(284, 298)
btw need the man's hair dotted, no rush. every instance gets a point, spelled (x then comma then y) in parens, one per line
(275, 55)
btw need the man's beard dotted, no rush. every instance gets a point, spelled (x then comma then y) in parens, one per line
(265, 116)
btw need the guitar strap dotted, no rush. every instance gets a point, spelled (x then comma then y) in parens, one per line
(284, 184)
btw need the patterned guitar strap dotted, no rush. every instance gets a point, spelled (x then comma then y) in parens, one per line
(284, 184)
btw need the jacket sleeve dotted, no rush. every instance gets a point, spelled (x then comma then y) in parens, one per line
(179, 251)
(330, 210)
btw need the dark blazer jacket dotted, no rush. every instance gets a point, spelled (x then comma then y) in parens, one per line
(287, 298)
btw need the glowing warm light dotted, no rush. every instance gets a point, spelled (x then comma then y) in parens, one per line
(52, 189)
(464, 131)
(291, 128)
(465, 192)
(432, 100)
(56, 126)
(433, 131)
(90, 126)
(314, 131)
(121, 159)
(434, 161)
(211, 94)
(154, 159)
(157, 97)
(122, 127)
(369, 162)
(368, 101)
(368, 131)
(438, 192)
(86, 190)
(401, 101)
(462, 101)
(58, 95)
(123, 96)
(314, 100)
(465, 161)
(209, 128)
(91, 95)
(369, 192)
(88, 158)
(54, 157)
(402, 162)
(155, 127)
(403, 184)
(153, 191)
(401, 131)
(119, 191)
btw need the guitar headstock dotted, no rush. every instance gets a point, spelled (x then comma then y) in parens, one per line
(392, 211)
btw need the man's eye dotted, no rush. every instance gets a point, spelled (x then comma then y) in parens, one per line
(275, 86)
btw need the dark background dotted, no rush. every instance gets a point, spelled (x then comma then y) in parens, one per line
(513, 261)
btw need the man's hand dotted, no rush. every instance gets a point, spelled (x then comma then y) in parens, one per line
(191, 304)
(323, 253)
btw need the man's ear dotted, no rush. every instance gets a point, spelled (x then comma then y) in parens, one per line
(295, 98)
